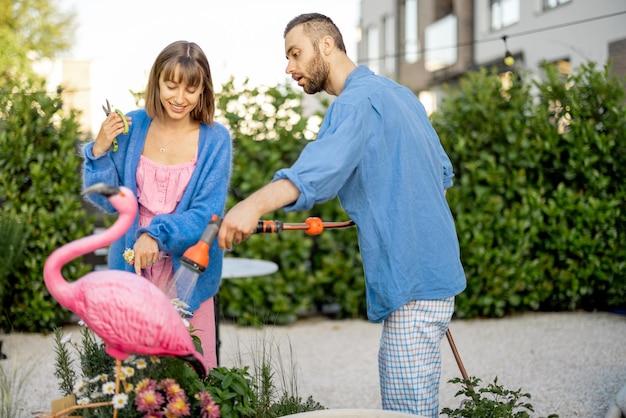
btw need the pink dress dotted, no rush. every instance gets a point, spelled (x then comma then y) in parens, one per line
(159, 189)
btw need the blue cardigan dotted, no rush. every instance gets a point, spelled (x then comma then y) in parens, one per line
(205, 195)
(378, 152)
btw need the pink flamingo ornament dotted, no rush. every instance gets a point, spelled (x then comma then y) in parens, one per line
(128, 312)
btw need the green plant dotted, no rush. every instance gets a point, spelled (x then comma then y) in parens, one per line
(40, 185)
(289, 404)
(233, 391)
(64, 370)
(275, 382)
(147, 385)
(12, 243)
(492, 401)
(14, 389)
(539, 214)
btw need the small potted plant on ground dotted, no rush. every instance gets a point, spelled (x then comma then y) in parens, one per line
(492, 401)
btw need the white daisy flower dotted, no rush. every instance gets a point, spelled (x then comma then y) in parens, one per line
(80, 386)
(128, 255)
(108, 388)
(128, 372)
(120, 400)
(141, 364)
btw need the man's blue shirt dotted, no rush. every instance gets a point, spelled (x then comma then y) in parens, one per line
(377, 151)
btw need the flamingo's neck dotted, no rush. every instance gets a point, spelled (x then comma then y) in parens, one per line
(58, 287)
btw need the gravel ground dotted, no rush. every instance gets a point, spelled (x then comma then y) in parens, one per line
(572, 364)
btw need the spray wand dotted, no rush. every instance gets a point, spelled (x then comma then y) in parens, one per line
(312, 226)
(196, 258)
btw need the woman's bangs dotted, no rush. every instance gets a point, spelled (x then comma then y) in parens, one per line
(184, 70)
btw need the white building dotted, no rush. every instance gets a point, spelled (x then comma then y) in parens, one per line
(425, 43)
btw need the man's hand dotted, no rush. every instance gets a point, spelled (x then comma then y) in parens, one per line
(241, 221)
(238, 224)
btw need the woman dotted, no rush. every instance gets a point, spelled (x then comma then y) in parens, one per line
(177, 160)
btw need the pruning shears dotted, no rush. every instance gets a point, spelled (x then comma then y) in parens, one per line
(107, 112)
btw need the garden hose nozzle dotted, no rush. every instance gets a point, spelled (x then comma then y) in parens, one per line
(197, 256)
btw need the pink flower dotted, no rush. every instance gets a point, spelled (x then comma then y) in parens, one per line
(177, 407)
(148, 400)
(172, 388)
(207, 406)
(145, 384)
(211, 410)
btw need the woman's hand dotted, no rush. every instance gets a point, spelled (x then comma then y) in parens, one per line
(146, 252)
(111, 127)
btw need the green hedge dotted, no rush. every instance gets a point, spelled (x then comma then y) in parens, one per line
(40, 189)
(539, 196)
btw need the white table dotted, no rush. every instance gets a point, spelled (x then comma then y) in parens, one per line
(235, 268)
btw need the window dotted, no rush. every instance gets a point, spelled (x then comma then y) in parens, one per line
(390, 45)
(411, 40)
(373, 49)
(551, 4)
(504, 13)
(441, 43)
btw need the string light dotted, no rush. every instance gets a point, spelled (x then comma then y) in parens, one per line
(508, 57)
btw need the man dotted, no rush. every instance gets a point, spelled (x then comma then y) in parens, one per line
(377, 151)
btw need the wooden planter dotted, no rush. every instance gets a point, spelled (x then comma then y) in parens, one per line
(60, 404)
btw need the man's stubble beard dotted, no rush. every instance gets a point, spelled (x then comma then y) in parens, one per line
(318, 78)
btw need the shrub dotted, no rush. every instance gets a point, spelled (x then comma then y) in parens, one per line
(40, 188)
(538, 201)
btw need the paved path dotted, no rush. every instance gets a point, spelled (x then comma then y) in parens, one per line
(573, 364)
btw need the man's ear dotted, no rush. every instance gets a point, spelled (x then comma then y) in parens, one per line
(327, 44)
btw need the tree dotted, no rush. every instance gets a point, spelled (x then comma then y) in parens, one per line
(39, 159)
(32, 29)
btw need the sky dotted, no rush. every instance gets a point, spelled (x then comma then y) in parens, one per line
(241, 38)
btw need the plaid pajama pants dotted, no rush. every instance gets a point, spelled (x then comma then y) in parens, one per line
(409, 359)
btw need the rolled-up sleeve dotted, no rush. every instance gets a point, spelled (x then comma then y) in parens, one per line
(321, 171)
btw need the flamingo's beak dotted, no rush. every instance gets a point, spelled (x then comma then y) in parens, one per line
(103, 189)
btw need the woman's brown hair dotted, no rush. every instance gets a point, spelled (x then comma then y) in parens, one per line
(193, 69)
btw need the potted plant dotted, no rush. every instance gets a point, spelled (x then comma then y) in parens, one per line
(165, 386)
(492, 401)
